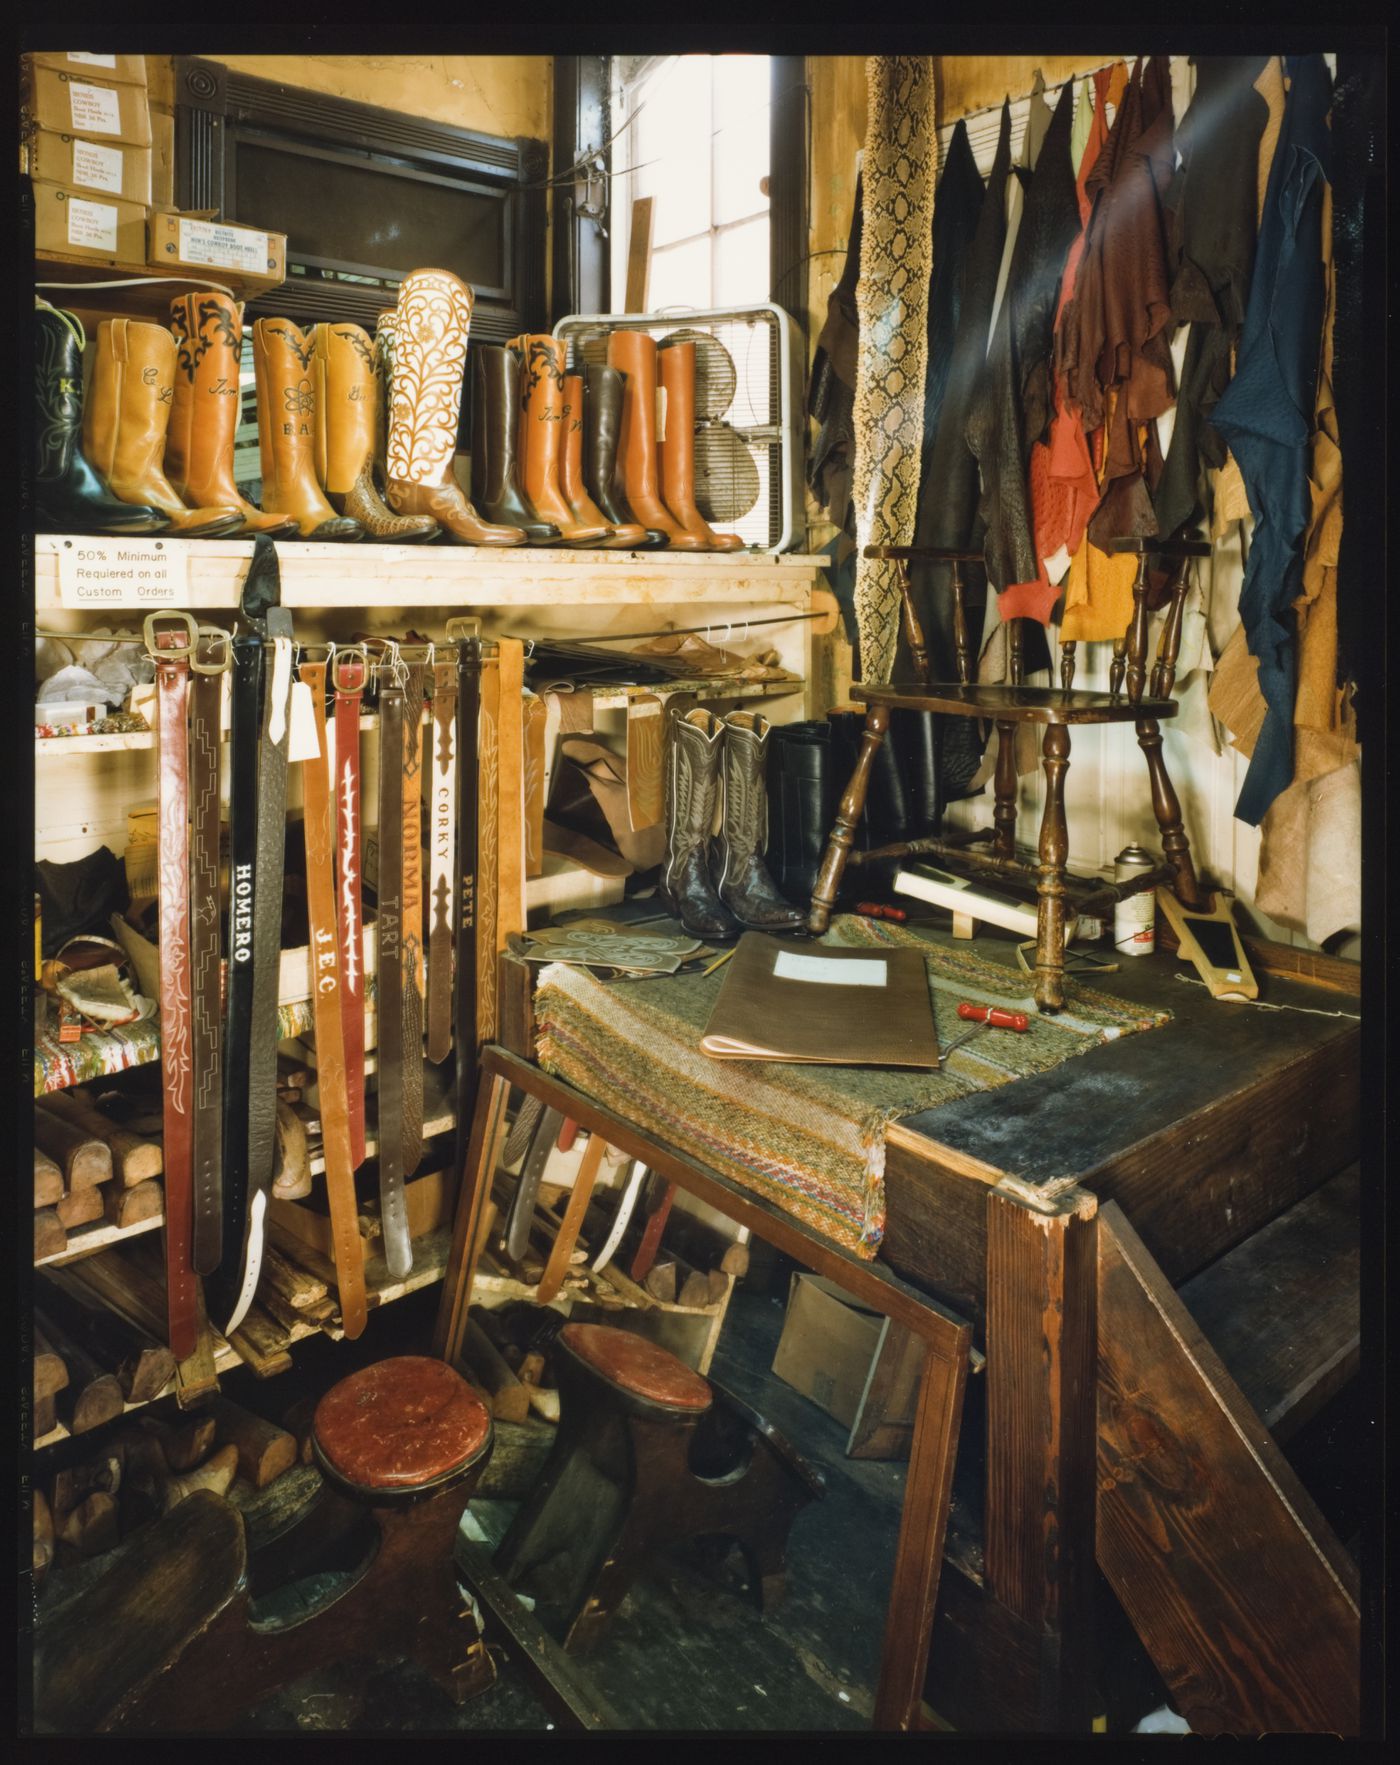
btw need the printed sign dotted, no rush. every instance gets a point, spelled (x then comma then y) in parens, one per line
(97, 168)
(92, 224)
(791, 966)
(224, 248)
(93, 573)
(95, 108)
(95, 60)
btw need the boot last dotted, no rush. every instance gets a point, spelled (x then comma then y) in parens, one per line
(282, 368)
(743, 883)
(496, 444)
(542, 438)
(633, 354)
(602, 421)
(68, 495)
(348, 398)
(625, 537)
(676, 368)
(694, 744)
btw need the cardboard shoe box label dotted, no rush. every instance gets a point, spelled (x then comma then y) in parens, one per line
(68, 105)
(189, 242)
(116, 70)
(84, 224)
(91, 165)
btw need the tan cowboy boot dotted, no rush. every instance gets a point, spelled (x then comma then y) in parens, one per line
(585, 511)
(286, 431)
(208, 331)
(676, 367)
(541, 438)
(633, 354)
(431, 323)
(127, 418)
(347, 416)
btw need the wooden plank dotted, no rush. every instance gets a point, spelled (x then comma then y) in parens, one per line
(639, 255)
(936, 1227)
(1283, 1309)
(1038, 1523)
(1235, 1583)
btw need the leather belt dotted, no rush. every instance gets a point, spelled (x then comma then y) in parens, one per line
(413, 985)
(349, 672)
(468, 715)
(326, 1007)
(245, 723)
(171, 654)
(441, 811)
(209, 662)
(392, 981)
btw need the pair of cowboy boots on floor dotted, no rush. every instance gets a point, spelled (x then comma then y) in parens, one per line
(719, 885)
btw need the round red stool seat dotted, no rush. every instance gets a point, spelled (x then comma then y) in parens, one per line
(642, 1368)
(401, 1424)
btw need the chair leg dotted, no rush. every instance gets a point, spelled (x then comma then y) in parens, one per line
(1050, 891)
(1006, 788)
(1176, 848)
(877, 721)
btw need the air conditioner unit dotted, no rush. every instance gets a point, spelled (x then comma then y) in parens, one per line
(748, 423)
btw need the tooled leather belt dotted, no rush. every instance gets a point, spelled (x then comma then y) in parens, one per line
(349, 672)
(441, 812)
(209, 663)
(171, 652)
(468, 714)
(261, 593)
(245, 724)
(413, 985)
(392, 981)
(325, 995)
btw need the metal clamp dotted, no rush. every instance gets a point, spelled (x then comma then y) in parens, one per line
(161, 651)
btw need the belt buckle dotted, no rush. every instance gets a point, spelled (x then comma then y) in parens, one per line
(351, 655)
(160, 650)
(223, 643)
(460, 626)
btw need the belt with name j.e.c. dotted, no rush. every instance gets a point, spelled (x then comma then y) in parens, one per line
(325, 997)
(391, 981)
(349, 674)
(442, 809)
(209, 663)
(170, 639)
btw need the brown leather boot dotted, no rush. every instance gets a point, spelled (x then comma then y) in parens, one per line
(741, 877)
(602, 423)
(676, 367)
(348, 397)
(282, 359)
(633, 354)
(125, 422)
(694, 744)
(431, 323)
(542, 438)
(208, 331)
(585, 511)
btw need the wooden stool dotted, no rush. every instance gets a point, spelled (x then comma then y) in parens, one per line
(648, 1454)
(169, 1639)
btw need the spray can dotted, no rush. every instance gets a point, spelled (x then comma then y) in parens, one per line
(1134, 930)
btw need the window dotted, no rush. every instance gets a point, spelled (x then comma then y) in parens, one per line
(697, 145)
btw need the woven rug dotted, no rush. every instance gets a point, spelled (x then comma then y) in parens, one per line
(808, 1139)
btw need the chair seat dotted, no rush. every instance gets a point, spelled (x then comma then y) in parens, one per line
(400, 1424)
(1018, 704)
(641, 1368)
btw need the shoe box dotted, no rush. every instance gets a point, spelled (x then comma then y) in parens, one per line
(76, 102)
(82, 223)
(87, 145)
(193, 241)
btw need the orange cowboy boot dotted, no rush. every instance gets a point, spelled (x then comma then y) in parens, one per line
(676, 365)
(286, 432)
(348, 397)
(633, 354)
(542, 438)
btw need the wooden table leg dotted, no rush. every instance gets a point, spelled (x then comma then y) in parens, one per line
(1006, 787)
(567, 1236)
(1050, 891)
(877, 721)
(1176, 848)
(923, 1528)
(483, 1154)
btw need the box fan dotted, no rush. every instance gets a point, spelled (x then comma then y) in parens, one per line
(748, 433)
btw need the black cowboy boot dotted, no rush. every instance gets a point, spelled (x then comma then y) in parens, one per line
(693, 747)
(496, 444)
(743, 882)
(602, 424)
(802, 796)
(69, 497)
(914, 738)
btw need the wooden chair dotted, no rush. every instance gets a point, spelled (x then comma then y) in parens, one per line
(1058, 708)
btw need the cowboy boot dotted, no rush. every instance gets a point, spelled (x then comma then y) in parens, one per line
(743, 883)
(68, 495)
(625, 537)
(208, 332)
(431, 323)
(693, 748)
(347, 401)
(676, 365)
(496, 444)
(633, 354)
(286, 432)
(602, 419)
(542, 416)
(126, 420)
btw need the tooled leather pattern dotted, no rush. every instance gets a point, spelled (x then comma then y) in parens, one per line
(356, 338)
(190, 350)
(301, 346)
(58, 383)
(430, 349)
(542, 361)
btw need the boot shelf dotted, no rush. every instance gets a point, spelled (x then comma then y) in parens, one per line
(147, 300)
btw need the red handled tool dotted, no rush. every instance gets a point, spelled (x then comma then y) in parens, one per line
(985, 1017)
(881, 910)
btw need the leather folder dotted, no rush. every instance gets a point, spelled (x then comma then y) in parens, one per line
(784, 1000)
